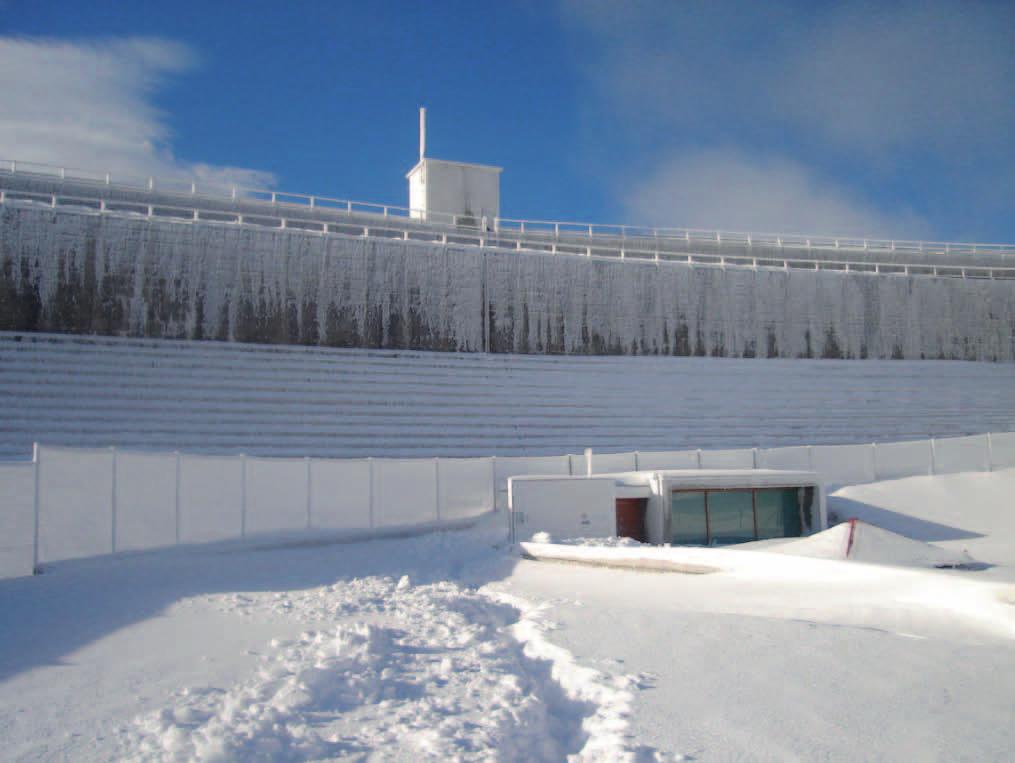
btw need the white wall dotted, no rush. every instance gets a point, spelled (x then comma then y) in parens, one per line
(97, 501)
(454, 188)
(550, 507)
(17, 518)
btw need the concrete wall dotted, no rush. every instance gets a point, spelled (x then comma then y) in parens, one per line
(67, 272)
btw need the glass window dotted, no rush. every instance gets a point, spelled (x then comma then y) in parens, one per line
(687, 518)
(731, 516)
(778, 512)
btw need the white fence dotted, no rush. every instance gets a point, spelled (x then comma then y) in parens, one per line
(178, 199)
(70, 503)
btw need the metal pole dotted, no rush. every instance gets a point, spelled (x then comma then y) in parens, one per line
(112, 503)
(176, 499)
(35, 533)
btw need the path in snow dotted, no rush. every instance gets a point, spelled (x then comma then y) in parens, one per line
(430, 671)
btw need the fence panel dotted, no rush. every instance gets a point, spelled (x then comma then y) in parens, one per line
(669, 459)
(792, 458)
(211, 498)
(727, 459)
(75, 503)
(17, 518)
(466, 487)
(1002, 450)
(961, 454)
(841, 465)
(603, 463)
(340, 494)
(276, 494)
(404, 492)
(893, 460)
(145, 500)
(511, 466)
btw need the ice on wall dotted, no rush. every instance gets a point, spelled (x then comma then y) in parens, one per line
(63, 271)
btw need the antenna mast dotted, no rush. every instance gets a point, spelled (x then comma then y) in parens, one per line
(422, 132)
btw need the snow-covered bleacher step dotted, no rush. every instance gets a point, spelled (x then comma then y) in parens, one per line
(287, 400)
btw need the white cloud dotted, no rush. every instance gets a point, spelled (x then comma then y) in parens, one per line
(89, 105)
(728, 190)
(870, 76)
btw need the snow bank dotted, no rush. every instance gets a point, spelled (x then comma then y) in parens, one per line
(863, 542)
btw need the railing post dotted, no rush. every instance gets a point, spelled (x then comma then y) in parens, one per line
(36, 569)
(112, 502)
(990, 452)
(176, 500)
(699, 458)
(874, 462)
(932, 466)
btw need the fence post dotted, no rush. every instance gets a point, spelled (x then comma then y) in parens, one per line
(990, 453)
(176, 499)
(310, 494)
(874, 462)
(243, 495)
(370, 462)
(35, 532)
(754, 458)
(437, 488)
(699, 458)
(112, 504)
(493, 482)
(933, 457)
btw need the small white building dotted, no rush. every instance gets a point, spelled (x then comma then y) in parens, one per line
(452, 192)
(684, 507)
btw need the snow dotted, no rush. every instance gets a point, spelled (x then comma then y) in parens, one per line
(451, 646)
(860, 541)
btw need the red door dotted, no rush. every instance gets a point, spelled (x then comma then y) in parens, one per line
(631, 518)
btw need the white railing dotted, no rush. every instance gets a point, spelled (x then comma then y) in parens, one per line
(279, 209)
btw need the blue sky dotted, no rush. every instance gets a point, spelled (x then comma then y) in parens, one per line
(842, 118)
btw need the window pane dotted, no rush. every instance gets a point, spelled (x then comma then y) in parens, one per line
(731, 515)
(778, 513)
(687, 518)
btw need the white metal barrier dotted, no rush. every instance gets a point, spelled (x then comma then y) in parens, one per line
(70, 502)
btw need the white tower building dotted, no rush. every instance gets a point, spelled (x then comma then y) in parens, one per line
(439, 189)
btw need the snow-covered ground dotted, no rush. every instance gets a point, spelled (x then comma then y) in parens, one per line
(452, 646)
